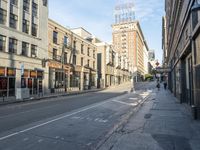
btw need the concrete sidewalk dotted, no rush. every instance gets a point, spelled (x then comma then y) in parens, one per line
(160, 124)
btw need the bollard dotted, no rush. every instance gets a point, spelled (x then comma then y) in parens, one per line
(194, 112)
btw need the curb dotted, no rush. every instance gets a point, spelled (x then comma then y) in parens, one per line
(47, 97)
(120, 125)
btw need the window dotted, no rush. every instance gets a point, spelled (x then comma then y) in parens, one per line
(74, 45)
(2, 16)
(93, 64)
(88, 63)
(45, 2)
(34, 29)
(25, 48)
(74, 59)
(54, 53)
(26, 5)
(33, 51)
(55, 37)
(25, 26)
(88, 51)
(65, 58)
(82, 50)
(13, 21)
(12, 45)
(2, 43)
(82, 64)
(34, 9)
(94, 54)
(14, 2)
(65, 40)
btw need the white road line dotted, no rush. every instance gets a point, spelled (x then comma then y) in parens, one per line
(129, 104)
(50, 121)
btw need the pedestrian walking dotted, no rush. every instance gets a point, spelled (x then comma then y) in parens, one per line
(158, 86)
(165, 85)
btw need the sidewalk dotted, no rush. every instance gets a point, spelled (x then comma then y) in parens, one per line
(160, 124)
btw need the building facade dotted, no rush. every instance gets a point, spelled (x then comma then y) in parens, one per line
(183, 49)
(72, 60)
(129, 42)
(23, 46)
(111, 66)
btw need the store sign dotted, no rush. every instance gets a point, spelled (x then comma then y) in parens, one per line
(54, 65)
(11, 72)
(2, 71)
(26, 73)
(33, 74)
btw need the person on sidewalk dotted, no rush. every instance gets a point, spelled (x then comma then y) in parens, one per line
(165, 84)
(158, 86)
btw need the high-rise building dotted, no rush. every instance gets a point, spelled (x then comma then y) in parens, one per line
(128, 38)
(23, 46)
(151, 55)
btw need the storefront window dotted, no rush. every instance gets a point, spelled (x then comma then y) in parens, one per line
(75, 80)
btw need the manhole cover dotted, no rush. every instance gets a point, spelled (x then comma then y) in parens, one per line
(147, 116)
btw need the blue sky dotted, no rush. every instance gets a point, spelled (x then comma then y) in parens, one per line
(96, 16)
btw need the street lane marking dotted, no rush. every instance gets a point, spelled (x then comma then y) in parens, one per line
(129, 104)
(59, 118)
(50, 121)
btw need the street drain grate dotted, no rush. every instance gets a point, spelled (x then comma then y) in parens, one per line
(147, 116)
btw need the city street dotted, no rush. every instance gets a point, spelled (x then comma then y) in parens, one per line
(76, 122)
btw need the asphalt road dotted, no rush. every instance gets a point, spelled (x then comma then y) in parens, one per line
(74, 123)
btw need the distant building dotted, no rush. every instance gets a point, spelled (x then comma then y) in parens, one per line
(151, 55)
(23, 46)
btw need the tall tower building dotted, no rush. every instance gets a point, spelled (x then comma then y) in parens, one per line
(128, 38)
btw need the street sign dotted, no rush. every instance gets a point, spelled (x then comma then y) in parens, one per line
(163, 70)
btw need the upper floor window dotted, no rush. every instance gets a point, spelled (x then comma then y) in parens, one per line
(88, 51)
(2, 43)
(25, 48)
(13, 21)
(74, 59)
(82, 63)
(82, 49)
(65, 40)
(45, 2)
(33, 51)
(34, 9)
(25, 26)
(88, 63)
(94, 54)
(74, 44)
(12, 45)
(65, 58)
(34, 29)
(54, 53)
(55, 37)
(26, 5)
(14, 2)
(3, 15)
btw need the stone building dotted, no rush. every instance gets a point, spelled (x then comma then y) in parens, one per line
(129, 42)
(111, 66)
(72, 60)
(183, 49)
(23, 46)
